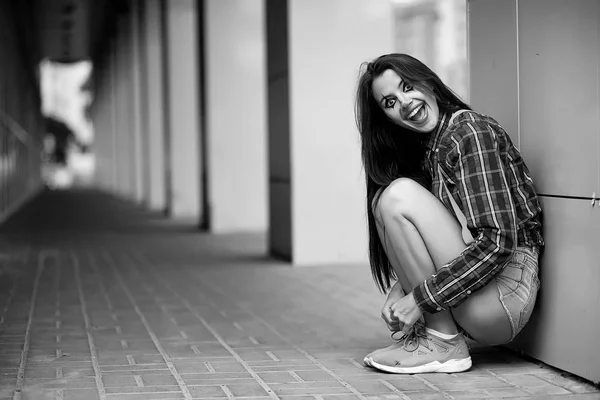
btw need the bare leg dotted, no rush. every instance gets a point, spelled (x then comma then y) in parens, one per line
(419, 236)
(408, 237)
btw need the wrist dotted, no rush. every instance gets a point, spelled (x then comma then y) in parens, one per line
(397, 287)
(396, 292)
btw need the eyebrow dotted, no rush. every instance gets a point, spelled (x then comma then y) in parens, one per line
(385, 97)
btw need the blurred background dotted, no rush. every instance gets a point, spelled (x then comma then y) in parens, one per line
(186, 107)
(434, 31)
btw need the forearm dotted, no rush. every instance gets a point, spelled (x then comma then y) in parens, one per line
(469, 272)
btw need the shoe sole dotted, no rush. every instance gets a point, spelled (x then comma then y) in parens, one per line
(450, 366)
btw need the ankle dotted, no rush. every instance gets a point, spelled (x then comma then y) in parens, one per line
(441, 322)
(445, 329)
(441, 335)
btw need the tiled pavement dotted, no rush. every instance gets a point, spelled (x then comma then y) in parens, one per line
(100, 300)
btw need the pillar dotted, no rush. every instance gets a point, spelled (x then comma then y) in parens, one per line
(125, 139)
(317, 192)
(236, 114)
(113, 112)
(104, 133)
(183, 105)
(136, 115)
(153, 104)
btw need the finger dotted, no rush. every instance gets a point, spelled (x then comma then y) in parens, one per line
(394, 326)
(396, 315)
(387, 315)
(406, 328)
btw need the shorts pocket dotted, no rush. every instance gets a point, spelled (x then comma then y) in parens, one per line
(512, 274)
(529, 303)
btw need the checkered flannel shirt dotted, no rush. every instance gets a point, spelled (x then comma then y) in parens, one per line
(482, 169)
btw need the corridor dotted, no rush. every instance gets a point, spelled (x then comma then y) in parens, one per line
(100, 299)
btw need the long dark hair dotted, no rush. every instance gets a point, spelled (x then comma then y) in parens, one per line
(388, 150)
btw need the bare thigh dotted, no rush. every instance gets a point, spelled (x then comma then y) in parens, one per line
(481, 315)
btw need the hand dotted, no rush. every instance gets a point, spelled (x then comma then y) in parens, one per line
(406, 312)
(395, 294)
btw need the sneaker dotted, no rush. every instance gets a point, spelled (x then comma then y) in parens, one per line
(420, 351)
(375, 354)
(370, 356)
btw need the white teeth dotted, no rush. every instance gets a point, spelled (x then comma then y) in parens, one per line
(414, 112)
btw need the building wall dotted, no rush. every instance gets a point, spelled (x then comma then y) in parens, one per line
(534, 66)
(21, 124)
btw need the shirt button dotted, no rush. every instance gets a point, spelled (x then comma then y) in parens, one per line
(468, 292)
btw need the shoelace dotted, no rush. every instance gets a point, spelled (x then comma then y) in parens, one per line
(414, 338)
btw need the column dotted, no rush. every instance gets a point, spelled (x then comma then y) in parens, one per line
(102, 115)
(113, 109)
(183, 105)
(316, 184)
(153, 104)
(125, 139)
(136, 123)
(236, 114)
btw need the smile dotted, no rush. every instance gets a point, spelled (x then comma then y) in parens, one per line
(414, 111)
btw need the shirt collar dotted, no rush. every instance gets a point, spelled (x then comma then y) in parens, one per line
(441, 127)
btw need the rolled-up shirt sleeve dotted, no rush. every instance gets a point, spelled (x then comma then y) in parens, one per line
(475, 165)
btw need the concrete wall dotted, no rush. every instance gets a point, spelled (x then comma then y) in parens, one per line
(326, 49)
(183, 104)
(236, 84)
(153, 99)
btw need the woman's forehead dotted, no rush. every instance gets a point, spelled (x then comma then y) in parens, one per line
(387, 81)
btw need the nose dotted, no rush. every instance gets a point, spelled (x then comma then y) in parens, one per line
(405, 100)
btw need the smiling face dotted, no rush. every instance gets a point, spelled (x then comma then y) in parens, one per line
(404, 104)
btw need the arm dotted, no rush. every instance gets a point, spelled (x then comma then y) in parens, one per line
(476, 165)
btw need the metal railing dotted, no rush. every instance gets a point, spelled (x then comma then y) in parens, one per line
(15, 162)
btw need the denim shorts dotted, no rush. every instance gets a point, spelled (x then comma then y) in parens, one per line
(518, 285)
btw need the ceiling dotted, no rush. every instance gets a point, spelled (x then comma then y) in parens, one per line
(72, 30)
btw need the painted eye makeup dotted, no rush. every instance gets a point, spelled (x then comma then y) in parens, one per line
(389, 103)
(408, 87)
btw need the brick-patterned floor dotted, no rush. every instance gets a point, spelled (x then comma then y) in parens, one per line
(100, 300)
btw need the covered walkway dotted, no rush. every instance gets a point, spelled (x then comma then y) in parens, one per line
(100, 299)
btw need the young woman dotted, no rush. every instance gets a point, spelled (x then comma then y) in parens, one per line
(453, 216)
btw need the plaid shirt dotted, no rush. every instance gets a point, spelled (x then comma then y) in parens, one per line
(482, 169)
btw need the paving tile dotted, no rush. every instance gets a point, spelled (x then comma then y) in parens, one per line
(214, 391)
(506, 392)
(247, 389)
(316, 376)
(465, 383)
(309, 388)
(342, 397)
(278, 377)
(425, 395)
(404, 385)
(467, 394)
(144, 396)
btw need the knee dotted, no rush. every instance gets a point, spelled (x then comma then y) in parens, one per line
(396, 200)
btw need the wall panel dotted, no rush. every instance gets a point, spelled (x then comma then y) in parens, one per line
(566, 321)
(558, 53)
